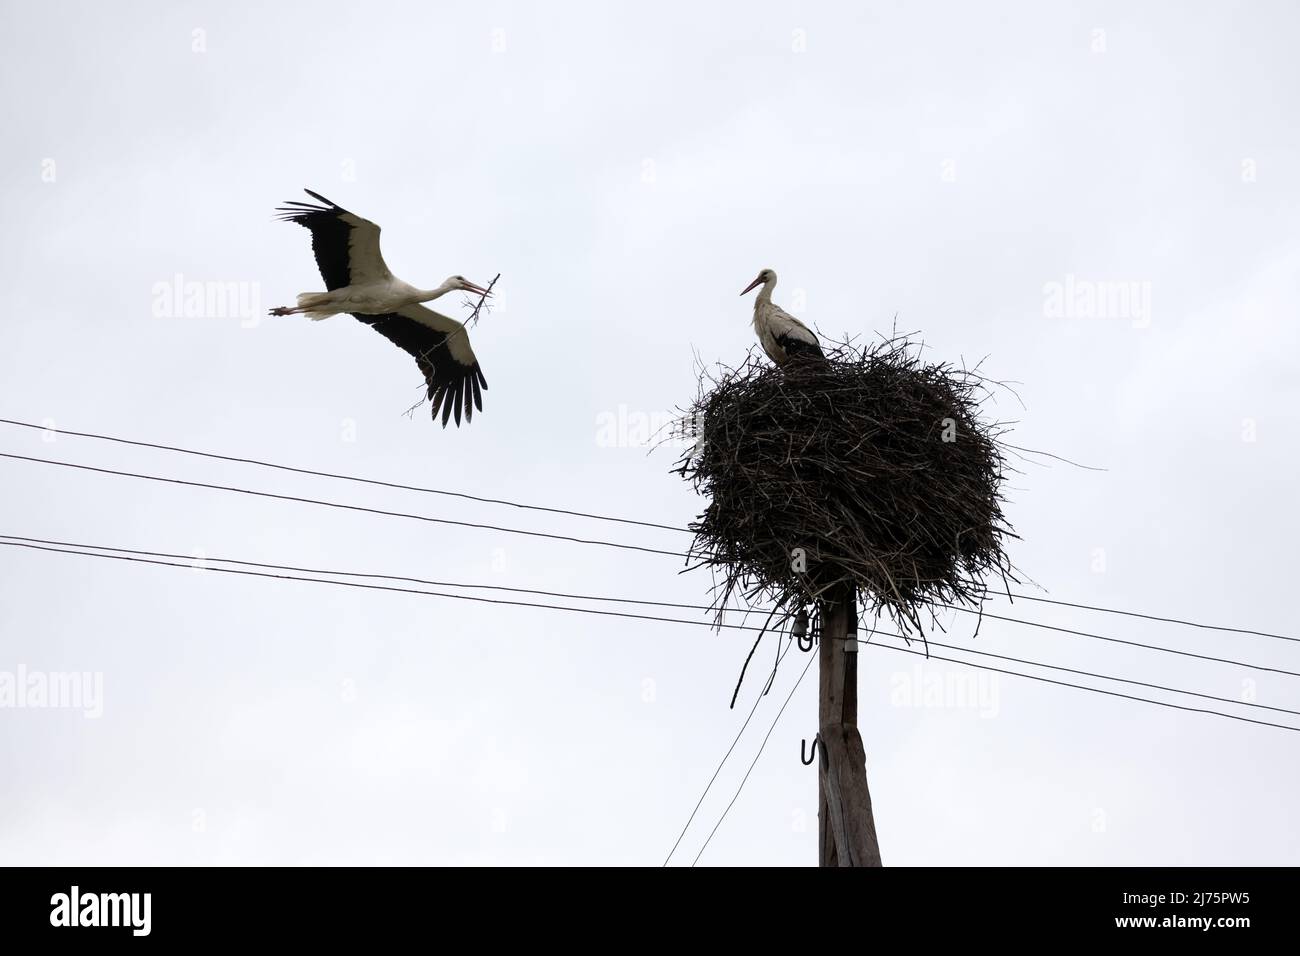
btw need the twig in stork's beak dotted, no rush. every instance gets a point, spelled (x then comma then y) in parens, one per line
(757, 282)
(473, 319)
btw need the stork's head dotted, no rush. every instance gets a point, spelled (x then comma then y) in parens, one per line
(460, 283)
(764, 277)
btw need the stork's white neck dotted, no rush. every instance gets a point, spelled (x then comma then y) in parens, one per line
(428, 295)
(765, 293)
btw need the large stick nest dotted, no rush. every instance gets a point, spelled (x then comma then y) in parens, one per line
(871, 469)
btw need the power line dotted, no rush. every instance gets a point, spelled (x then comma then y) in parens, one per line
(1054, 628)
(754, 762)
(1011, 595)
(928, 656)
(1153, 617)
(708, 786)
(381, 577)
(1118, 640)
(618, 600)
(596, 611)
(1096, 690)
(592, 597)
(337, 477)
(1120, 680)
(377, 587)
(891, 647)
(611, 544)
(338, 504)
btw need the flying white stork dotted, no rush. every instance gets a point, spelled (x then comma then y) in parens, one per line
(347, 254)
(783, 337)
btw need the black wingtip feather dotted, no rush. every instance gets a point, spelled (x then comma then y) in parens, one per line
(318, 196)
(301, 212)
(294, 210)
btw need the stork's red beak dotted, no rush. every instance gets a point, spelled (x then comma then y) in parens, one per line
(752, 285)
(477, 288)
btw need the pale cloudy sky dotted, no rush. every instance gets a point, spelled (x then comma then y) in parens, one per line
(627, 171)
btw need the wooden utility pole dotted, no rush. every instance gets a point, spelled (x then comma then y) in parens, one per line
(846, 827)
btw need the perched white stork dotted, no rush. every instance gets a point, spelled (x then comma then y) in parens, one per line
(783, 337)
(347, 254)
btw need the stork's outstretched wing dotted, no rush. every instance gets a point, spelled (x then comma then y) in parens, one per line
(346, 246)
(441, 348)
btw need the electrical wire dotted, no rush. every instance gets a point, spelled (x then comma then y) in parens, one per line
(619, 600)
(326, 474)
(149, 557)
(1151, 617)
(122, 554)
(380, 577)
(708, 786)
(133, 557)
(463, 597)
(984, 668)
(1096, 690)
(1118, 640)
(1010, 595)
(754, 762)
(1119, 680)
(337, 504)
(377, 587)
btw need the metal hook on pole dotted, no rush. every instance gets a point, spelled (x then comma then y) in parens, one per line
(804, 755)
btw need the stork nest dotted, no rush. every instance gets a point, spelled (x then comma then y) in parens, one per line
(871, 469)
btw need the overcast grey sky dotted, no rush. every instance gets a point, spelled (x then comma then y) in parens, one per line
(628, 171)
